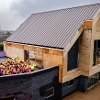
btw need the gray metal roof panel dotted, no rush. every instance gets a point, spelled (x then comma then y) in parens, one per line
(53, 28)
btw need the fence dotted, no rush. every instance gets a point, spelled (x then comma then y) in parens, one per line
(41, 85)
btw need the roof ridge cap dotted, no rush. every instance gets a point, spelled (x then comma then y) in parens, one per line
(66, 8)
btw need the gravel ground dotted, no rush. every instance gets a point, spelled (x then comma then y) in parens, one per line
(92, 94)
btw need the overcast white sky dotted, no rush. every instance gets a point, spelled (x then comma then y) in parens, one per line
(14, 12)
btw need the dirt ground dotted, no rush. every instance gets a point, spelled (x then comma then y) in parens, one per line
(92, 94)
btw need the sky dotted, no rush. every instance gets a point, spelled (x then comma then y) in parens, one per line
(14, 12)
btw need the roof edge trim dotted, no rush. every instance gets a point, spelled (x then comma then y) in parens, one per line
(10, 42)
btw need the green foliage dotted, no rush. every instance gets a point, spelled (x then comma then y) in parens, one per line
(8, 33)
(1, 47)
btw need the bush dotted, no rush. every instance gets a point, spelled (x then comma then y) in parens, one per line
(1, 47)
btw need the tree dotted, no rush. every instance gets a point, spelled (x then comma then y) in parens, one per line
(8, 33)
(1, 47)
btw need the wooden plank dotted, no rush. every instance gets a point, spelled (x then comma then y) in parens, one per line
(88, 24)
(96, 18)
(50, 51)
(85, 73)
(30, 47)
(14, 52)
(86, 41)
(60, 73)
(91, 54)
(98, 29)
(57, 59)
(38, 53)
(26, 47)
(37, 46)
(84, 68)
(46, 60)
(22, 46)
(53, 58)
(85, 50)
(85, 55)
(65, 62)
(71, 76)
(8, 44)
(56, 52)
(45, 50)
(85, 60)
(87, 33)
(97, 36)
(87, 44)
(81, 29)
(15, 45)
(35, 53)
(95, 69)
(5, 46)
(95, 25)
(75, 37)
(98, 23)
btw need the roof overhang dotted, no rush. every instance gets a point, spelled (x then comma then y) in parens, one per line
(29, 45)
(96, 18)
(87, 24)
(70, 44)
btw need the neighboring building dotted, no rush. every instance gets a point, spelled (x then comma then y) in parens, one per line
(68, 38)
(11, 32)
(5, 31)
(3, 37)
(1, 32)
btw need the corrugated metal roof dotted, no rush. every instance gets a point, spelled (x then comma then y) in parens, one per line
(53, 28)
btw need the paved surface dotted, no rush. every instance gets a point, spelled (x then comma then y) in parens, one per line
(2, 59)
(93, 94)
